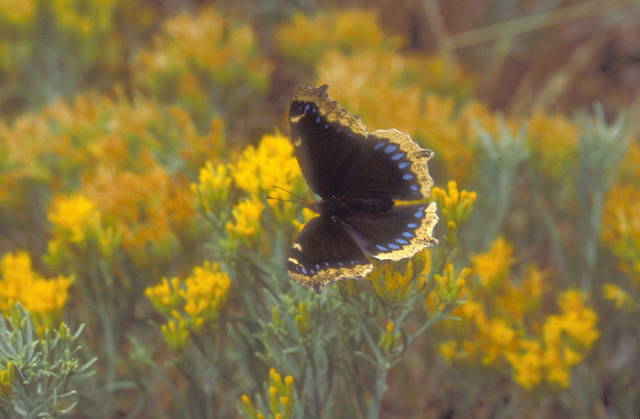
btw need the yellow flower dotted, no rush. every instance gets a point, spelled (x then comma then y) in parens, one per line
(450, 286)
(305, 38)
(500, 333)
(72, 215)
(17, 11)
(258, 170)
(570, 356)
(46, 296)
(552, 330)
(558, 375)
(302, 320)
(578, 321)
(388, 339)
(279, 395)
(492, 265)
(213, 187)
(270, 164)
(164, 296)
(455, 206)
(246, 219)
(7, 376)
(390, 283)
(619, 296)
(191, 304)
(448, 350)
(205, 292)
(526, 366)
(43, 298)
(232, 59)
(175, 333)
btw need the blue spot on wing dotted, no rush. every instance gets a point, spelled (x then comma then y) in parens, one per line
(390, 148)
(306, 108)
(397, 156)
(380, 144)
(382, 248)
(393, 246)
(402, 241)
(412, 225)
(403, 164)
(407, 234)
(407, 176)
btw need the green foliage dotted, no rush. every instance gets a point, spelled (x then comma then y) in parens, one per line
(45, 369)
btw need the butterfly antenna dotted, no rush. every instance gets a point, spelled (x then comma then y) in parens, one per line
(287, 200)
(302, 200)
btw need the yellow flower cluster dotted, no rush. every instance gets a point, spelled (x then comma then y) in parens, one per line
(456, 208)
(566, 340)
(388, 338)
(450, 286)
(17, 11)
(392, 284)
(502, 323)
(280, 396)
(271, 164)
(256, 172)
(621, 299)
(491, 267)
(212, 189)
(73, 215)
(42, 298)
(189, 305)
(195, 51)
(7, 376)
(305, 38)
(108, 151)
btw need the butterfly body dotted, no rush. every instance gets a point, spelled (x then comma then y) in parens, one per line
(359, 176)
(337, 208)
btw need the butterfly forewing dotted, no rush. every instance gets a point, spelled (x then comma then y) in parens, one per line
(338, 157)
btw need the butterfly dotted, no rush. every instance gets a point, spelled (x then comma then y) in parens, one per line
(359, 176)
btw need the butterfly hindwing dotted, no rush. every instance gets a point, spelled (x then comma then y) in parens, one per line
(325, 252)
(394, 234)
(338, 156)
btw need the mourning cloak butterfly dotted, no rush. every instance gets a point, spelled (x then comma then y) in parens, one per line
(358, 176)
